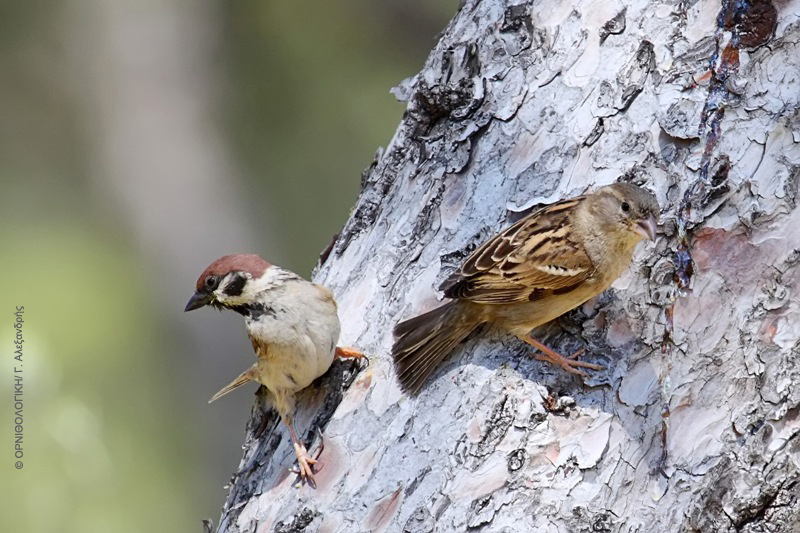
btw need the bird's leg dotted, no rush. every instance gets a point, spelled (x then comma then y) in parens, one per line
(350, 353)
(305, 463)
(570, 363)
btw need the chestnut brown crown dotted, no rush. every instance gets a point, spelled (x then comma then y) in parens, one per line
(209, 281)
(226, 264)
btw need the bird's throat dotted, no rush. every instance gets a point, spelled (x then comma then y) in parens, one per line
(254, 311)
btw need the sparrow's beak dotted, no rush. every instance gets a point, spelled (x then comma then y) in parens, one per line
(647, 228)
(197, 301)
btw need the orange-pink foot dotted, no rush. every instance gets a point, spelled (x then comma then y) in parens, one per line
(569, 363)
(350, 353)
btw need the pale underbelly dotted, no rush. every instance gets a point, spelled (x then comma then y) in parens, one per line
(521, 318)
(291, 372)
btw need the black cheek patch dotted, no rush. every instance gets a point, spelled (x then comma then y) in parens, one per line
(236, 286)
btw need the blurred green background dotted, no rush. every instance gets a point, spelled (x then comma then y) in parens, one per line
(138, 142)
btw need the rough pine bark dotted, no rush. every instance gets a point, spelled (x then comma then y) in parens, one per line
(694, 424)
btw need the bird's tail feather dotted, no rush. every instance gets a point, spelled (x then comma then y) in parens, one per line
(423, 341)
(245, 377)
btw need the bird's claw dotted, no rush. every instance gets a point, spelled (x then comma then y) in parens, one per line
(305, 465)
(570, 363)
(350, 353)
(576, 354)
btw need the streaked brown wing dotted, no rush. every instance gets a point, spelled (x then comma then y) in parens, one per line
(534, 254)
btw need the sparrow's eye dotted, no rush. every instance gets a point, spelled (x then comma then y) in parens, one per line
(626, 207)
(212, 282)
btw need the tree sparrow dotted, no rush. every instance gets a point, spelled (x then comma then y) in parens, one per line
(546, 264)
(292, 324)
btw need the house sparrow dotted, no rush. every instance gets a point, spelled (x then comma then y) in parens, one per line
(549, 262)
(291, 322)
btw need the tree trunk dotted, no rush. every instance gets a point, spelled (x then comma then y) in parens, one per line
(694, 424)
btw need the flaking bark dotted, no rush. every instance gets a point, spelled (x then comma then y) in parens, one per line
(694, 425)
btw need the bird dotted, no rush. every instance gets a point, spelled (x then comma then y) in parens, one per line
(544, 265)
(293, 326)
